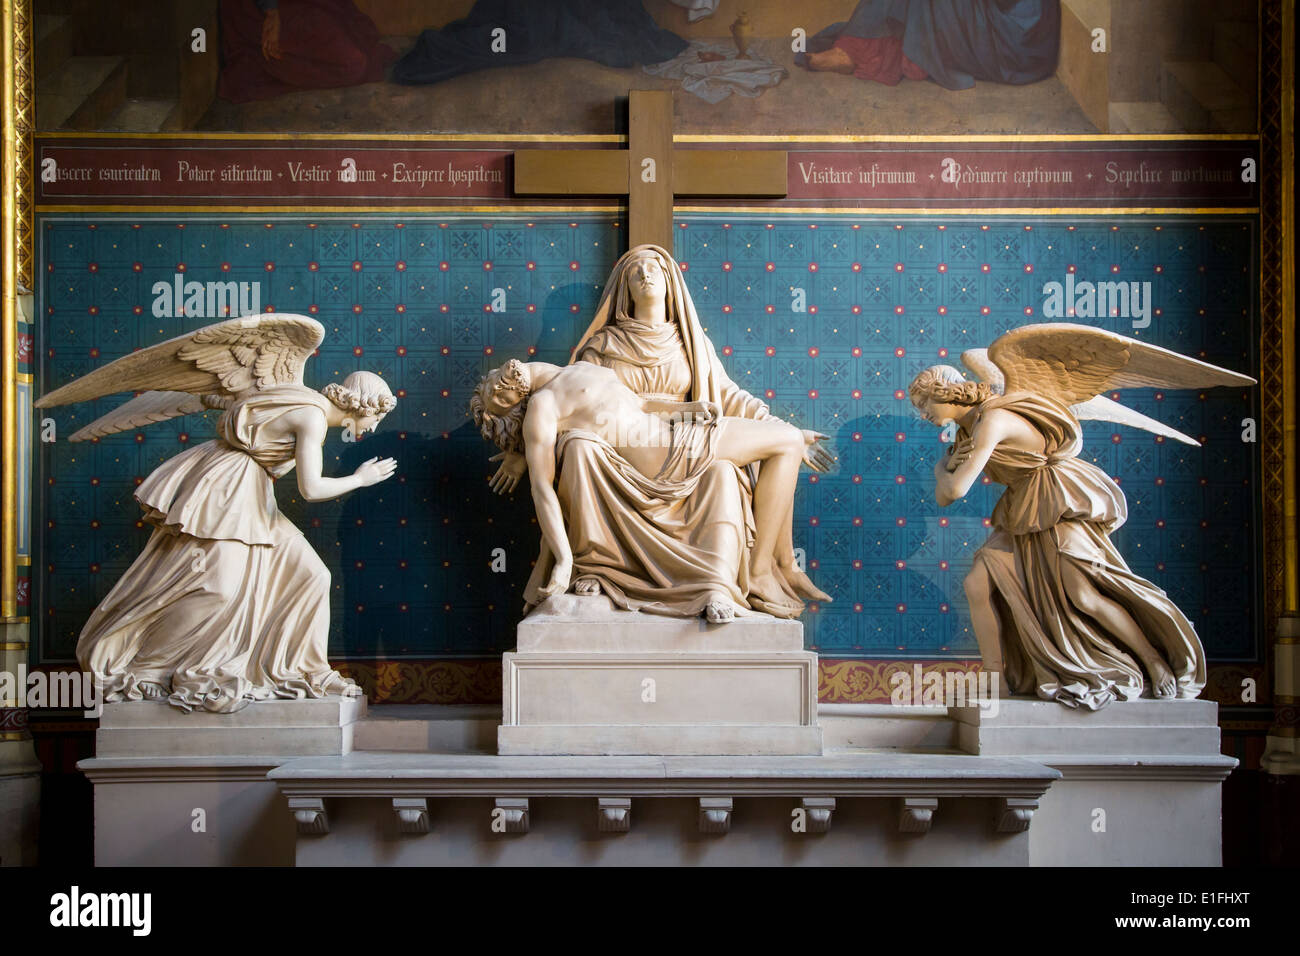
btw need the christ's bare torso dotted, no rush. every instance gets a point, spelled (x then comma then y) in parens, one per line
(590, 398)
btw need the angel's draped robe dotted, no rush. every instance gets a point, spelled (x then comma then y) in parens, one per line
(653, 549)
(1057, 510)
(954, 42)
(227, 602)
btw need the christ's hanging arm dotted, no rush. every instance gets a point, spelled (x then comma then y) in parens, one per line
(541, 424)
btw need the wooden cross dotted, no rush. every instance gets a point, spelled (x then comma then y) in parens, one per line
(650, 172)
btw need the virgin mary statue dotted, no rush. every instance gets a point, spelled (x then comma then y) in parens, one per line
(682, 555)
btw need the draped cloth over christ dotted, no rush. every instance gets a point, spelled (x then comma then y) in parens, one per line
(954, 42)
(663, 551)
(1058, 510)
(615, 33)
(227, 603)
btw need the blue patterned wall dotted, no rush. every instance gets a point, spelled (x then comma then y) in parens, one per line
(410, 299)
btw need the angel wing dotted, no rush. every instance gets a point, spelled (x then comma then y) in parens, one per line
(228, 358)
(201, 369)
(144, 409)
(977, 362)
(1075, 364)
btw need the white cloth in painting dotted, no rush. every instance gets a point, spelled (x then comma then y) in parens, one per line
(714, 80)
(227, 603)
(697, 9)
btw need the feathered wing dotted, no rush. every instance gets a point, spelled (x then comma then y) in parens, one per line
(225, 359)
(979, 364)
(1075, 364)
(1100, 408)
(144, 409)
(201, 369)
(1072, 363)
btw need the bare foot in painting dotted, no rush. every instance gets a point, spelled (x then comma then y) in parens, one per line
(586, 586)
(152, 690)
(833, 60)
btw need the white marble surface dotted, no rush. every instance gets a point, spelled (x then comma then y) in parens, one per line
(153, 728)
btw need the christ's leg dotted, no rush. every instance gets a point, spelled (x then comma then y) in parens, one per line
(779, 446)
(801, 583)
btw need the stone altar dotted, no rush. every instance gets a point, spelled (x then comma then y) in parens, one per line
(587, 678)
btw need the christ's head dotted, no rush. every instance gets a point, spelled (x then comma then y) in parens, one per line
(499, 402)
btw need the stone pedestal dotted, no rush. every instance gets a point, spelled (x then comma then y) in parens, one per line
(1140, 784)
(589, 679)
(178, 789)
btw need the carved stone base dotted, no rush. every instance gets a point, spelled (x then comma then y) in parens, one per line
(1140, 780)
(154, 728)
(588, 679)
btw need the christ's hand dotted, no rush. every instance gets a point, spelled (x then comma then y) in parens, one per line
(814, 455)
(560, 577)
(512, 468)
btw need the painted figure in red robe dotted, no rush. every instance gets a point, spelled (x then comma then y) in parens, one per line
(272, 47)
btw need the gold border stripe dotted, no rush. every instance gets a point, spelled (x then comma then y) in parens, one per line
(374, 137)
(9, 316)
(398, 211)
(619, 138)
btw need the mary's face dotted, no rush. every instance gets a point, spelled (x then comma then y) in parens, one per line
(646, 280)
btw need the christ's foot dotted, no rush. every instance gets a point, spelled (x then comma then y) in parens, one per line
(587, 586)
(152, 690)
(804, 587)
(833, 60)
(767, 594)
(1164, 686)
(719, 610)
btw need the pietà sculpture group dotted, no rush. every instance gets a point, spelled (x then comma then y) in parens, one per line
(657, 481)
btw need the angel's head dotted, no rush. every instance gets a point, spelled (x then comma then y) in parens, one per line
(499, 402)
(364, 397)
(942, 394)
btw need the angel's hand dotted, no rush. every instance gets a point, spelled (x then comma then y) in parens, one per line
(959, 453)
(375, 470)
(512, 468)
(814, 455)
